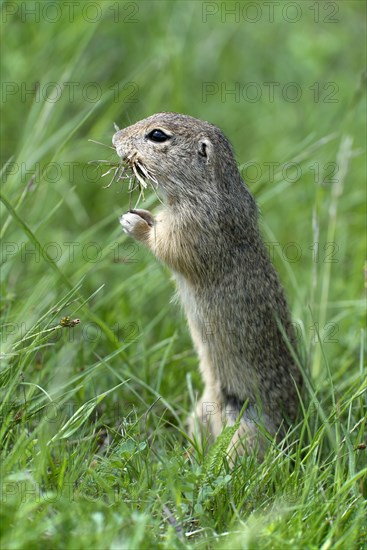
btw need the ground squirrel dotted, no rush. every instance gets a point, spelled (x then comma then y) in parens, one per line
(207, 233)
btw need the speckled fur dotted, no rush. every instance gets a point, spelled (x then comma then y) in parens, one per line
(207, 233)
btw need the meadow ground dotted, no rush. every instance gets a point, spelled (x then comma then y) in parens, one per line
(93, 446)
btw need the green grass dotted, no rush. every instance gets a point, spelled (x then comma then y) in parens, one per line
(94, 452)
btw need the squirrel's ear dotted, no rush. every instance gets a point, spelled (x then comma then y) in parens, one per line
(205, 148)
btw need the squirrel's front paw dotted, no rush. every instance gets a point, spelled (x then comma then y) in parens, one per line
(137, 223)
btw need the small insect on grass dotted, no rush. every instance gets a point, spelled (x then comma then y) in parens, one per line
(67, 322)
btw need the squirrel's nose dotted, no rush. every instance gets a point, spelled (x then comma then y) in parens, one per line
(116, 138)
(122, 146)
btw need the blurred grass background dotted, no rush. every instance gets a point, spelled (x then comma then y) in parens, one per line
(68, 73)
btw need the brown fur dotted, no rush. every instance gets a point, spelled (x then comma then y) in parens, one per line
(207, 233)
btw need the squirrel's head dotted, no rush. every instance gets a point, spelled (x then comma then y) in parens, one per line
(180, 155)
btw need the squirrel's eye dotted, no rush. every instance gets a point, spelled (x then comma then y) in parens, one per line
(157, 135)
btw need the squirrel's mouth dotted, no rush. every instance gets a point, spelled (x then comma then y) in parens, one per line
(132, 168)
(128, 167)
(140, 172)
(139, 177)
